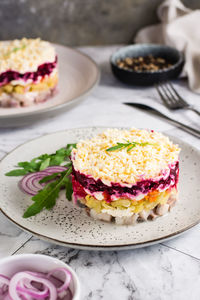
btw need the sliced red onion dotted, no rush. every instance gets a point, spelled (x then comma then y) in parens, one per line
(37, 274)
(4, 279)
(3, 290)
(28, 287)
(4, 283)
(66, 283)
(30, 182)
(34, 292)
(6, 297)
(14, 285)
(35, 285)
(54, 169)
(68, 296)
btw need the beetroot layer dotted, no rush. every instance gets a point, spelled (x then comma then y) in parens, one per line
(44, 69)
(141, 187)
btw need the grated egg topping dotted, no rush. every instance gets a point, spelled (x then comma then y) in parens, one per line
(142, 162)
(25, 55)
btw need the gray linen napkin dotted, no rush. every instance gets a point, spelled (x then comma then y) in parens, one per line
(179, 28)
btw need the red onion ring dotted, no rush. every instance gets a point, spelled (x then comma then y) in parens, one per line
(4, 283)
(4, 279)
(30, 182)
(7, 297)
(35, 285)
(55, 169)
(33, 292)
(14, 285)
(26, 286)
(66, 283)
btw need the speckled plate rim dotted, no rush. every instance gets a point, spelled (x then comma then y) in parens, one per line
(72, 101)
(105, 247)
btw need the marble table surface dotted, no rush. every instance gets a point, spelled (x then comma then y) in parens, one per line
(170, 270)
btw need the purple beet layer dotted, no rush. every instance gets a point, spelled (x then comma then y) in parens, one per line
(44, 69)
(143, 186)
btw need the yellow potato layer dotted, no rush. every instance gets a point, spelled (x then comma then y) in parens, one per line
(43, 85)
(147, 203)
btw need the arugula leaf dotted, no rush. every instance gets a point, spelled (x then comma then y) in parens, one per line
(17, 172)
(49, 177)
(42, 157)
(68, 164)
(23, 164)
(46, 198)
(45, 164)
(61, 156)
(30, 167)
(70, 147)
(61, 151)
(57, 160)
(69, 189)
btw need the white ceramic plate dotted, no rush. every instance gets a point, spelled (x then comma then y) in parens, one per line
(70, 226)
(78, 75)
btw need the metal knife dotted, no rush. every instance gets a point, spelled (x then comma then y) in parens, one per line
(154, 111)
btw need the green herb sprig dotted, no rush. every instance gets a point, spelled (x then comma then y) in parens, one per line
(46, 198)
(44, 161)
(15, 50)
(128, 145)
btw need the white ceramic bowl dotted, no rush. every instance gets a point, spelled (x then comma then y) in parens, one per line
(40, 263)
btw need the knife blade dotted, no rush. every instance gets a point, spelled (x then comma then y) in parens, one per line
(178, 124)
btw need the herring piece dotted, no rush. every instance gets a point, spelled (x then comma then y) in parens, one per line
(161, 210)
(101, 216)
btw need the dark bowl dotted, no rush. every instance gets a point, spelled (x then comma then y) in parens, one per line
(147, 77)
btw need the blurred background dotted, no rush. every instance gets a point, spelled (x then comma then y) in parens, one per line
(78, 22)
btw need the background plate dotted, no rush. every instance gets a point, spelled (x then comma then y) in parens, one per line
(78, 75)
(70, 226)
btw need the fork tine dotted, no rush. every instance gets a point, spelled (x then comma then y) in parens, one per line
(161, 95)
(173, 96)
(177, 94)
(170, 96)
(167, 100)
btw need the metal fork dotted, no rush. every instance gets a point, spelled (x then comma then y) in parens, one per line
(172, 99)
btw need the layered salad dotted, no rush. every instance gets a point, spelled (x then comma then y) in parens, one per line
(125, 176)
(28, 72)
